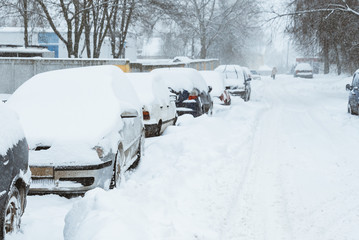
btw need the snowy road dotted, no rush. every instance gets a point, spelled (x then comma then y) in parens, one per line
(281, 166)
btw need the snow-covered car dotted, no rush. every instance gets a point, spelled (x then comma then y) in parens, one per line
(255, 75)
(353, 88)
(83, 126)
(193, 94)
(158, 110)
(236, 80)
(4, 97)
(216, 82)
(303, 70)
(14, 171)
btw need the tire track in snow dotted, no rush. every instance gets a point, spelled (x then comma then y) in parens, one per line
(257, 210)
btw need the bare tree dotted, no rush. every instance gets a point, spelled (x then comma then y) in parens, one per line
(26, 11)
(328, 25)
(71, 13)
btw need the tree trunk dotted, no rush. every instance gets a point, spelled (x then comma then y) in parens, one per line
(326, 56)
(26, 24)
(337, 58)
(203, 53)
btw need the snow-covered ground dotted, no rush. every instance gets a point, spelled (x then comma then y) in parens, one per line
(282, 166)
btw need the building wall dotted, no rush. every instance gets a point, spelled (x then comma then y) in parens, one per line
(15, 36)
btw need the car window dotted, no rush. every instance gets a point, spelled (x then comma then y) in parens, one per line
(231, 74)
(356, 80)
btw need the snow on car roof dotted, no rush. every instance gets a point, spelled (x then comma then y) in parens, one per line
(228, 68)
(181, 78)
(4, 97)
(73, 104)
(11, 131)
(215, 80)
(149, 88)
(230, 71)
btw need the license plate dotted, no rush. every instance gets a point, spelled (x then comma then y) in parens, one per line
(42, 172)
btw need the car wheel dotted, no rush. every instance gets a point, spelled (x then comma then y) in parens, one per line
(210, 111)
(13, 210)
(159, 126)
(140, 153)
(246, 96)
(350, 110)
(117, 173)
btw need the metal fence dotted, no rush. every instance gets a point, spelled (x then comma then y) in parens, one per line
(15, 71)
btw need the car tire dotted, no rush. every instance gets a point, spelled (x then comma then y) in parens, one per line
(350, 110)
(11, 217)
(246, 96)
(117, 172)
(141, 151)
(159, 126)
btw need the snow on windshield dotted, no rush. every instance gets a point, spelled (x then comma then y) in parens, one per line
(77, 104)
(149, 89)
(303, 67)
(215, 80)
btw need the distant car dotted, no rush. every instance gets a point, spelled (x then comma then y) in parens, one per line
(215, 80)
(83, 126)
(192, 93)
(255, 75)
(303, 70)
(353, 88)
(14, 171)
(237, 81)
(159, 111)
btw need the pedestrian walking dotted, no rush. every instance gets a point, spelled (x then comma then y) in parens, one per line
(274, 72)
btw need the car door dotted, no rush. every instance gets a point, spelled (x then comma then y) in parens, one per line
(131, 134)
(354, 94)
(6, 173)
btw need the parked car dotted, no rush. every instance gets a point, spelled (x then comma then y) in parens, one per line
(255, 75)
(215, 80)
(83, 126)
(303, 70)
(159, 111)
(247, 72)
(353, 88)
(4, 97)
(14, 171)
(192, 92)
(236, 80)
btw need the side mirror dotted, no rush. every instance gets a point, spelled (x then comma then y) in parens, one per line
(173, 97)
(348, 87)
(210, 89)
(129, 113)
(249, 79)
(228, 87)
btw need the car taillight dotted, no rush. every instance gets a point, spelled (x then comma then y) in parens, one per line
(146, 115)
(221, 97)
(193, 95)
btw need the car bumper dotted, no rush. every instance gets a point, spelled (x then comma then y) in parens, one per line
(72, 180)
(193, 108)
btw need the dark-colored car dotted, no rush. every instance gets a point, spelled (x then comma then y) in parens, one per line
(353, 102)
(14, 173)
(193, 94)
